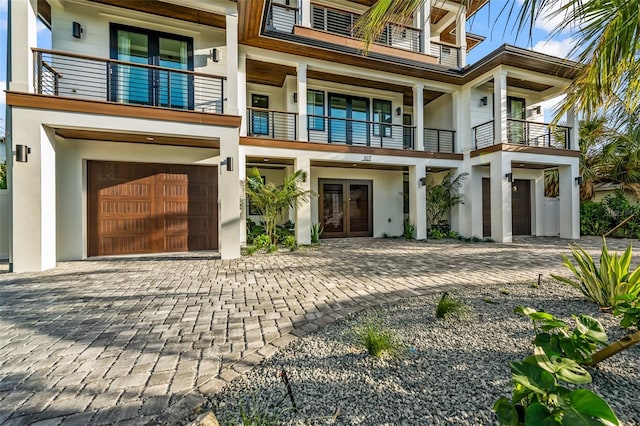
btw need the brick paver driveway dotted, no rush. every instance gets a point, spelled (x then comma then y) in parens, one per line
(119, 340)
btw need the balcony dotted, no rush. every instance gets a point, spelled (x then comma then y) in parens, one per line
(526, 133)
(285, 18)
(437, 140)
(271, 124)
(86, 77)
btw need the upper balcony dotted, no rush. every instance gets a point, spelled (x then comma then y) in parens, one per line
(523, 133)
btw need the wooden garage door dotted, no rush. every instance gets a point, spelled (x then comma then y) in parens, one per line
(151, 208)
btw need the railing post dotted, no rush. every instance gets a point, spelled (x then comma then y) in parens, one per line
(221, 96)
(38, 85)
(272, 114)
(168, 89)
(108, 71)
(453, 142)
(295, 127)
(249, 121)
(438, 140)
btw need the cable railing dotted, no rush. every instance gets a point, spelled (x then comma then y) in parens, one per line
(522, 132)
(438, 140)
(88, 77)
(360, 133)
(271, 124)
(282, 16)
(447, 55)
(341, 22)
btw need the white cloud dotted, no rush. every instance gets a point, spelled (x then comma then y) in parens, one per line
(555, 47)
(550, 106)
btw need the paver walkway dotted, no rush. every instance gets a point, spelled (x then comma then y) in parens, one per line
(118, 340)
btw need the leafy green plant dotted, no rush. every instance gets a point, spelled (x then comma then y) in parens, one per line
(253, 230)
(436, 234)
(316, 232)
(262, 242)
(408, 229)
(605, 283)
(442, 197)
(251, 250)
(375, 337)
(260, 413)
(453, 235)
(290, 242)
(3, 176)
(448, 307)
(629, 309)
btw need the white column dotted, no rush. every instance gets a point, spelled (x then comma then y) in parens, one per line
(303, 211)
(475, 209)
(418, 198)
(500, 199)
(461, 104)
(230, 216)
(233, 86)
(424, 23)
(461, 35)
(302, 102)
(24, 36)
(242, 92)
(418, 116)
(538, 191)
(242, 177)
(33, 195)
(569, 201)
(305, 10)
(574, 133)
(500, 106)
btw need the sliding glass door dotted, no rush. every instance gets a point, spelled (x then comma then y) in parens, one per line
(349, 122)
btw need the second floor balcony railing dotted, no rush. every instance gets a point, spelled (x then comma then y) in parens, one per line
(360, 132)
(446, 54)
(86, 77)
(266, 123)
(438, 140)
(522, 132)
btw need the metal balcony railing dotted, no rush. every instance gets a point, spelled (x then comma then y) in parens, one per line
(360, 133)
(272, 124)
(283, 16)
(437, 140)
(522, 132)
(447, 55)
(87, 77)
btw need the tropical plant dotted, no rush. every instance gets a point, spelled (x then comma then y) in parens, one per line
(604, 284)
(3, 176)
(262, 242)
(442, 197)
(290, 242)
(375, 337)
(316, 232)
(260, 413)
(449, 307)
(408, 229)
(273, 201)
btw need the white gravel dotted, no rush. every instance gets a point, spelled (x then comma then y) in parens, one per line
(450, 372)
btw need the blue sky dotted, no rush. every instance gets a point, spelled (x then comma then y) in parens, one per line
(490, 21)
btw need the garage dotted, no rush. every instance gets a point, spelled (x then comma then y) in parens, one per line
(138, 208)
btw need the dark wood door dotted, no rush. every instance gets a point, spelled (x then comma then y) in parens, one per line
(486, 207)
(346, 208)
(521, 207)
(136, 208)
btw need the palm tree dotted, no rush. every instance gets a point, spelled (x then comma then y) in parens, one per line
(442, 197)
(273, 201)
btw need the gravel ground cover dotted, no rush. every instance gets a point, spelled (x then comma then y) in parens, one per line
(448, 372)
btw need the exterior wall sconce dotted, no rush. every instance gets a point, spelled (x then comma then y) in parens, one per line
(483, 101)
(295, 97)
(228, 162)
(579, 181)
(77, 30)
(22, 153)
(509, 177)
(214, 55)
(423, 181)
(398, 111)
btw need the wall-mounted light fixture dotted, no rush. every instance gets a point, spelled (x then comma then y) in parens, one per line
(77, 30)
(213, 55)
(22, 153)
(509, 177)
(483, 101)
(423, 181)
(579, 181)
(398, 111)
(295, 97)
(228, 162)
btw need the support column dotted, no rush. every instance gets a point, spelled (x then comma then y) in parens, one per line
(231, 92)
(305, 11)
(303, 211)
(461, 103)
(418, 116)
(33, 195)
(424, 23)
(230, 216)
(418, 199)
(569, 201)
(501, 200)
(461, 35)
(242, 177)
(24, 36)
(500, 107)
(303, 135)
(539, 209)
(242, 92)
(574, 132)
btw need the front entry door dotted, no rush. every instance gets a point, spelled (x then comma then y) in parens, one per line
(346, 208)
(521, 207)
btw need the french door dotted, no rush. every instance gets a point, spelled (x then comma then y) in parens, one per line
(516, 127)
(349, 120)
(346, 208)
(139, 84)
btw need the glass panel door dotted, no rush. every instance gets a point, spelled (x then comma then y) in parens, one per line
(343, 110)
(338, 126)
(359, 129)
(132, 84)
(516, 111)
(173, 87)
(359, 214)
(332, 215)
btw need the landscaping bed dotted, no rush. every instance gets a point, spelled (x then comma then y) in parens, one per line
(445, 371)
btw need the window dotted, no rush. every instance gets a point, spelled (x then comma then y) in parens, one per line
(259, 119)
(315, 109)
(381, 114)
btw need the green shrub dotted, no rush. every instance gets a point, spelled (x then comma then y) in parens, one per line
(597, 218)
(602, 284)
(251, 250)
(436, 234)
(453, 235)
(3, 176)
(594, 218)
(375, 337)
(408, 229)
(629, 308)
(290, 242)
(253, 230)
(262, 242)
(258, 413)
(448, 307)
(316, 232)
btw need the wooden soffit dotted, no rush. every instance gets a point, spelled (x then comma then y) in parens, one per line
(268, 73)
(529, 85)
(170, 10)
(154, 139)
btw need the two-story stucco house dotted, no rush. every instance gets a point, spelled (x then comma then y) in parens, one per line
(135, 132)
